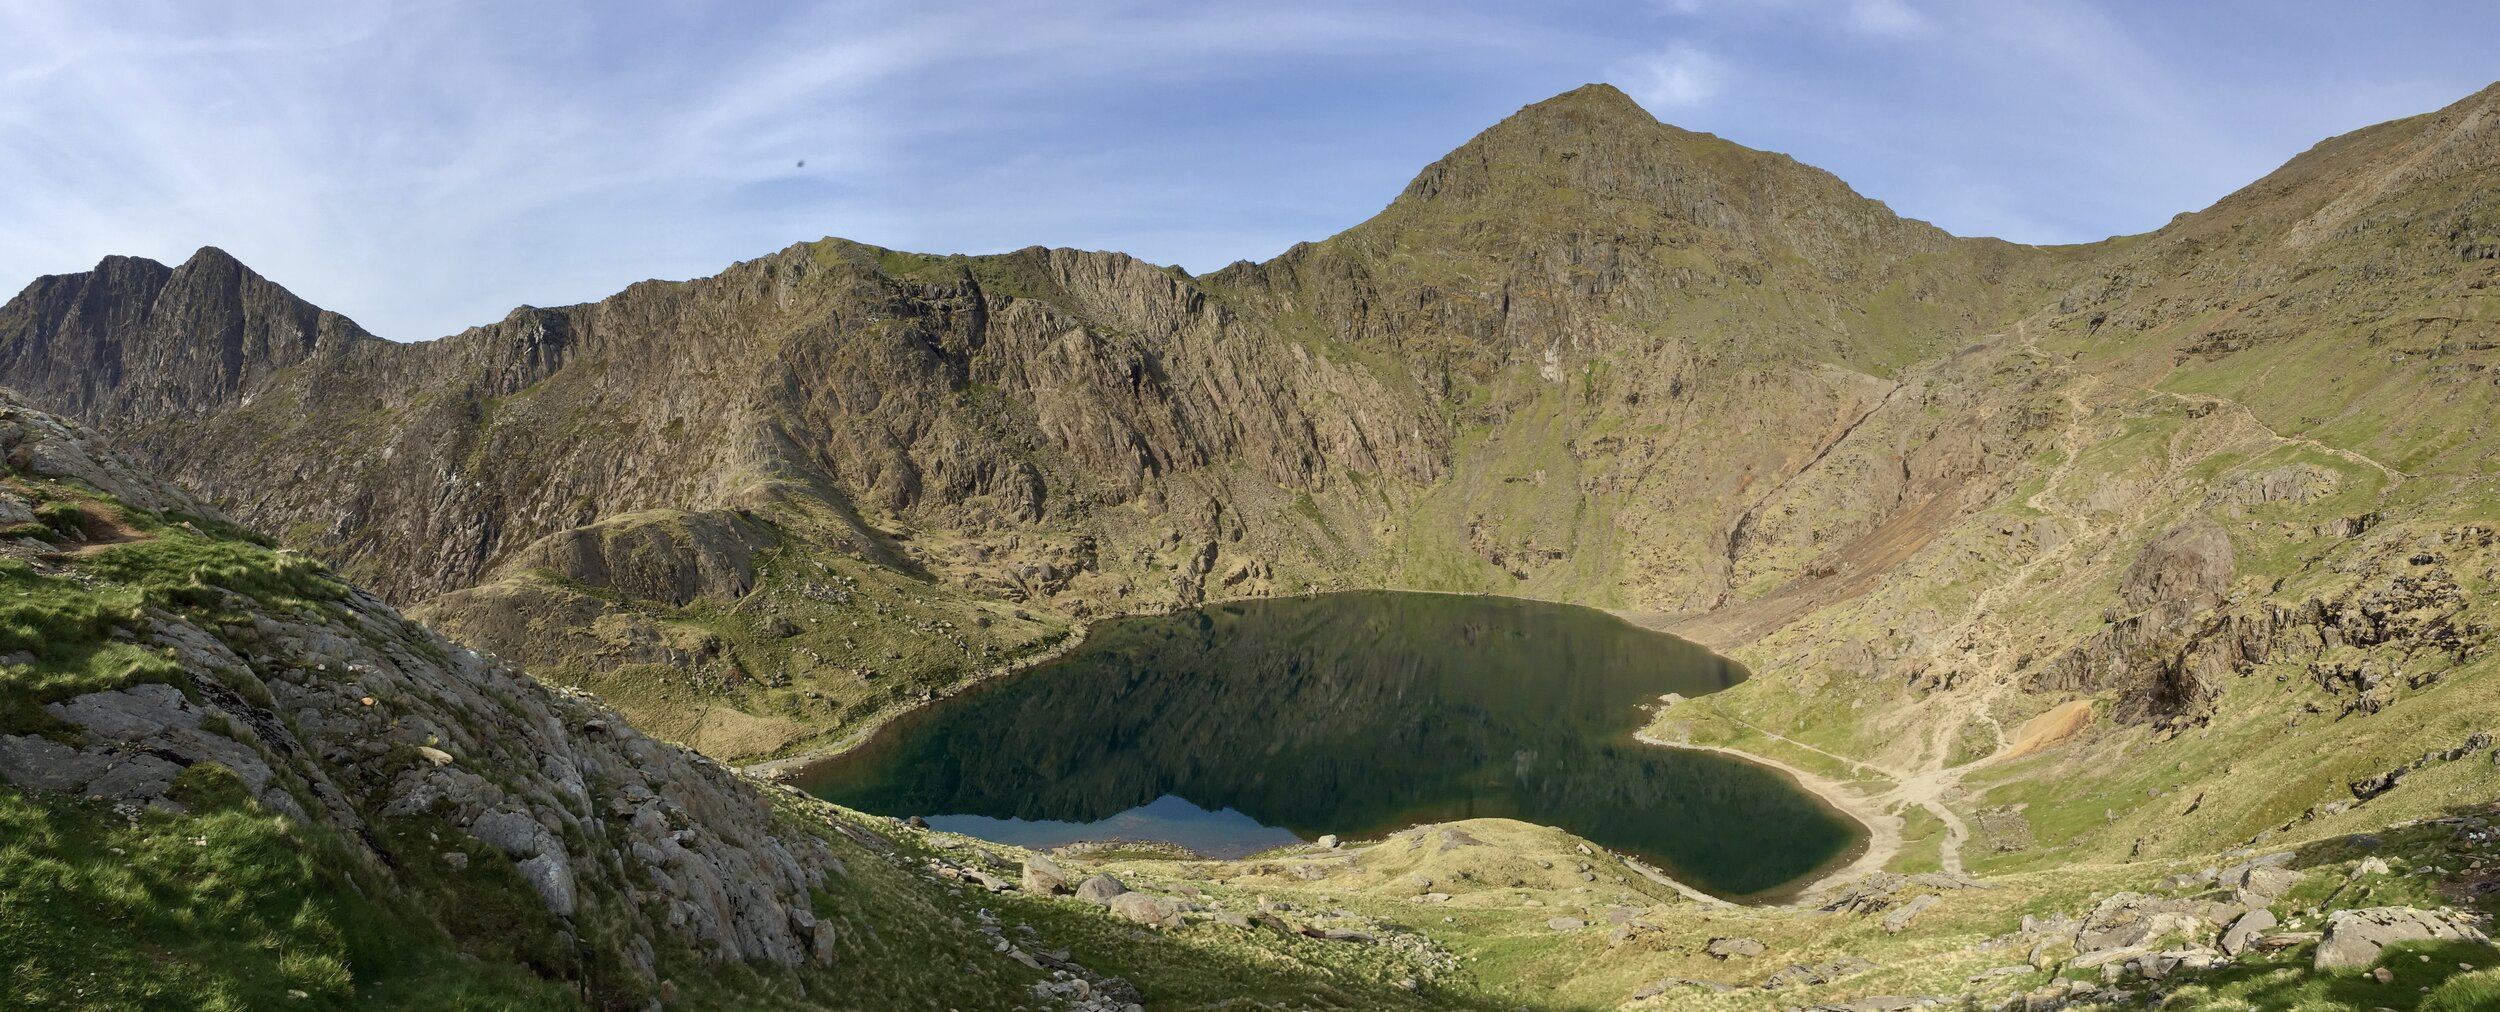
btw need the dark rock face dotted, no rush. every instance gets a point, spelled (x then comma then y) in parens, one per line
(2190, 565)
(421, 465)
(135, 342)
(2172, 656)
(2170, 651)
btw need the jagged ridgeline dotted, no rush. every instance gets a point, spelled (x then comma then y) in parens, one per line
(2060, 564)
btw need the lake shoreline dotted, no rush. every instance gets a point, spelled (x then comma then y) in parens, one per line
(1880, 832)
(1876, 847)
(789, 768)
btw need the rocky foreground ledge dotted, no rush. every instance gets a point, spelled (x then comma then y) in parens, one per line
(170, 683)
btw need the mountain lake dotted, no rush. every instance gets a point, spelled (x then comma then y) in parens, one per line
(1245, 726)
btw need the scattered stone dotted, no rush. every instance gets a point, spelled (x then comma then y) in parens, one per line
(1335, 934)
(1735, 948)
(1802, 975)
(1899, 918)
(1328, 841)
(1566, 923)
(2277, 941)
(2161, 965)
(1884, 1003)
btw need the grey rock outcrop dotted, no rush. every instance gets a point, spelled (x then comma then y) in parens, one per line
(1898, 919)
(1809, 974)
(344, 716)
(2191, 563)
(2356, 937)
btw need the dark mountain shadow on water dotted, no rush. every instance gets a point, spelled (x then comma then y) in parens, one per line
(1359, 714)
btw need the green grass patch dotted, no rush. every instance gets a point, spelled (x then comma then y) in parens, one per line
(225, 907)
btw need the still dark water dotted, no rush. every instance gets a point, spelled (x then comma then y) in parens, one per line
(1241, 727)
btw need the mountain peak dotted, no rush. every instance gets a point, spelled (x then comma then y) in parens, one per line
(176, 341)
(1589, 104)
(211, 256)
(1593, 154)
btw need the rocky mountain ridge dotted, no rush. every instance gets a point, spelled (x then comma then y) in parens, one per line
(1081, 430)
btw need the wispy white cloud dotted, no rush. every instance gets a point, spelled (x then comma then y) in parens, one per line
(1881, 18)
(1891, 18)
(1680, 77)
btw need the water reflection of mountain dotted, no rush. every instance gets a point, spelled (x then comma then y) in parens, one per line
(1358, 714)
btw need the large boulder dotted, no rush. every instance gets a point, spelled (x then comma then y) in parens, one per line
(2356, 937)
(1100, 890)
(1152, 911)
(2259, 885)
(2237, 937)
(1043, 876)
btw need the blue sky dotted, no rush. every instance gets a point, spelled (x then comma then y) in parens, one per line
(426, 166)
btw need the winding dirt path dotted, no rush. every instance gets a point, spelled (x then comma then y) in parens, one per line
(2394, 477)
(104, 527)
(1925, 789)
